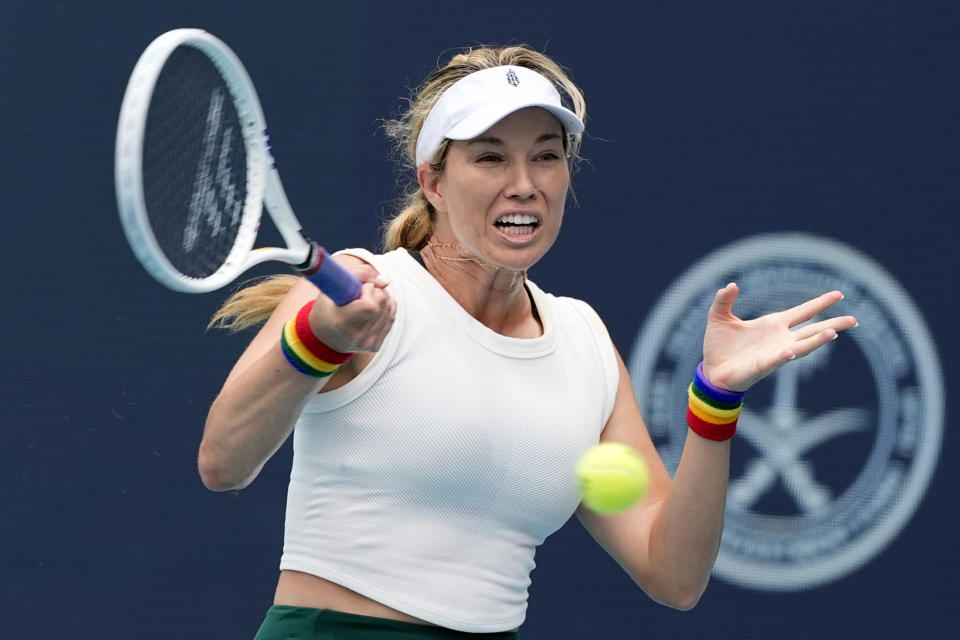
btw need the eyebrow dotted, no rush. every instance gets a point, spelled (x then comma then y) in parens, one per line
(497, 141)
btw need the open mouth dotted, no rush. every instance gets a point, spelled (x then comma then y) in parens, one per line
(517, 224)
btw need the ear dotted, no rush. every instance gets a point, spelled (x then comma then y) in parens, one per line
(431, 184)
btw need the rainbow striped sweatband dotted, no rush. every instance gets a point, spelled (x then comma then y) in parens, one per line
(305, 351)
(712, 412)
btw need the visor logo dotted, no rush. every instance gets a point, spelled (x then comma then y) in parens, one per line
(512, 78)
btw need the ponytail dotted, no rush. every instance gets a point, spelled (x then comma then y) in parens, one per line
(413, 226)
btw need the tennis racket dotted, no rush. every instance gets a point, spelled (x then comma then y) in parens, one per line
(194, 171)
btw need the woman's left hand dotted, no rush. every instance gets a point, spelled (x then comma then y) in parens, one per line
(738, 353)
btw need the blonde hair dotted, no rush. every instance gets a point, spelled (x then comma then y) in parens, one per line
(412, 226)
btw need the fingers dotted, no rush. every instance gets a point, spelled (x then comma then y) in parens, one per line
(805, 311)
(836, 324)
(777, 361)
(723, 301)
(360, 325)
(377, 305)
(364, 271)
(373, 317)
(806, 346)
(370, 303)
(811, 337)
(380, 328)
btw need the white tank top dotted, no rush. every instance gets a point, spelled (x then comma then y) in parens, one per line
(428, 481)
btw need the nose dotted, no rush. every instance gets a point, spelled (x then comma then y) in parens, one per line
(520, 182)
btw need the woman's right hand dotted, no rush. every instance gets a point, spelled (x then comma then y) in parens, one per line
(362, 324)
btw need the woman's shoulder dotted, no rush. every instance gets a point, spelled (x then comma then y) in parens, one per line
(378, 261)
(566, 306)
(396, 267)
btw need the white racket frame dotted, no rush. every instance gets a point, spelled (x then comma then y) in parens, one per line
(263, 182)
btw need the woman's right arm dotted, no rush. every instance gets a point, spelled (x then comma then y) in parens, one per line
(263, 395)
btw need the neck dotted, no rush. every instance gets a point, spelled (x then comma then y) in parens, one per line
(492, 294)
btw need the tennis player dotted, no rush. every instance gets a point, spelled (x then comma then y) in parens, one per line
(437, 419)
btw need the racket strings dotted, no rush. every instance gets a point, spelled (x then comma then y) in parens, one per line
(194, 164)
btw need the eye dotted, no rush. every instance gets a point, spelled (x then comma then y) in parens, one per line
(549, 155)
(488, 157)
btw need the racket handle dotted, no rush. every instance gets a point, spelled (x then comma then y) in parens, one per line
(331, 278)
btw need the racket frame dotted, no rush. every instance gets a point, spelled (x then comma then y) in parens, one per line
(263, 181)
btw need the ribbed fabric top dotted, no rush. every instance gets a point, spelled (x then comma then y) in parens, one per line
(428, 481)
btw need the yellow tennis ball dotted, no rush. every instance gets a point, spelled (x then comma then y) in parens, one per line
(612, 477)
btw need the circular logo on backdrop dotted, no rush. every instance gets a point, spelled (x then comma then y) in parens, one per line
(834, 451)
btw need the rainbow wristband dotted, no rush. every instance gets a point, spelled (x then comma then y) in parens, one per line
(304, 351)
(709, 430)
(712, 412)
(716, 393)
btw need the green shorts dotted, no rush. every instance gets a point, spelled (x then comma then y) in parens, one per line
(303, 623)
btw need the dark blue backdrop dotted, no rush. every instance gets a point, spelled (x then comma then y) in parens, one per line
(709, 122)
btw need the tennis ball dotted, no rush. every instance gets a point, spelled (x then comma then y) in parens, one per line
(612, 477)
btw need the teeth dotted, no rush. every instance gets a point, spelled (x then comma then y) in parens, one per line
(517, 218)
(518, 230)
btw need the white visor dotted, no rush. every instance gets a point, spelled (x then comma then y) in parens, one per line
(480, 100)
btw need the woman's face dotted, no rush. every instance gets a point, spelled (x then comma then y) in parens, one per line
(501, 195)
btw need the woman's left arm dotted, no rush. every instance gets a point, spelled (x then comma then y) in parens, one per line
(669, 542)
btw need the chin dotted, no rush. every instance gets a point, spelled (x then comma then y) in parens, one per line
(520, 261)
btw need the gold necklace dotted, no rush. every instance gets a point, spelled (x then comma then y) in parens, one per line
(465, 257)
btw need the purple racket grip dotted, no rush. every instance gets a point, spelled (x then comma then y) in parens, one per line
(331, 278)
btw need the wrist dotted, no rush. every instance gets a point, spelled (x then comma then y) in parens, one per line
(722, 394)
(307, 353)
(712, 412)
